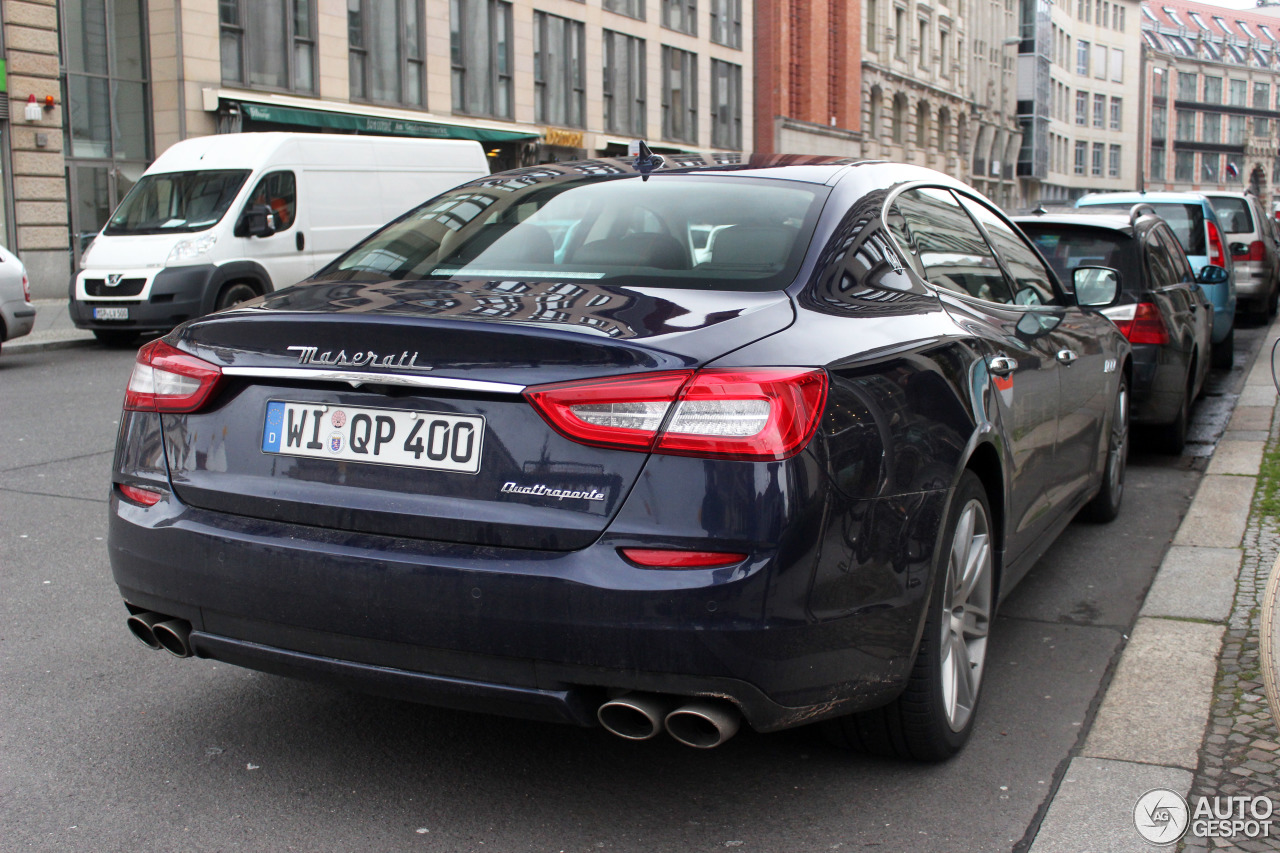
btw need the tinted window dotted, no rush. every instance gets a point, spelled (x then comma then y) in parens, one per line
(1161, 269)
(1177, 258)
(1069, 246)
(1186, 220)
(1233, 214)
(680, 231)
(951, 251)
(1031, 279)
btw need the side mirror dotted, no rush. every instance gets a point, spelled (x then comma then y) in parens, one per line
(1096, 287)
(1212, 274)
(256, 221)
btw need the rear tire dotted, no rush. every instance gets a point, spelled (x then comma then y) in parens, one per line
(1105, 506)
(933, 717)
(116, 338)
(1224, 354)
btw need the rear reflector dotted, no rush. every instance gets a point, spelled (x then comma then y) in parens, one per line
(753, 413)
(166, 379)
(661, 558)
(140, 496)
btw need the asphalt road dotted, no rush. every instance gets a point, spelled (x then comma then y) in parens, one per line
(106, 746)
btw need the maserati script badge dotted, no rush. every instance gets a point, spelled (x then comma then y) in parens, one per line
(369, 358)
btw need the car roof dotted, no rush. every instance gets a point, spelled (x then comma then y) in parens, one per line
(1135, 197)
(1110, 220)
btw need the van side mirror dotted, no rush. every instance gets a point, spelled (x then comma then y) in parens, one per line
(256, 221)
(1096, 287)
(1211, 274)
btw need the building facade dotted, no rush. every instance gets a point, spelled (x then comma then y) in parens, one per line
(1078, 98)
(534, 81)
(808, 70)
(938, 88)
(1212, 99)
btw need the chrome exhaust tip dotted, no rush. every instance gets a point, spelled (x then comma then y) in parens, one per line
(142, 626)
(634, 716)
(703, 724)
(174, 637)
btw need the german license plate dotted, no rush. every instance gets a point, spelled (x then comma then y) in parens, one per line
(111, 313)
(433, 440)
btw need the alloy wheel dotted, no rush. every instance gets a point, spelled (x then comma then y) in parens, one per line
(966, 616)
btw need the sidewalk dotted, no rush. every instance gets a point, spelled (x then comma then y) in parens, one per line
(53, 329)
(1185, 709)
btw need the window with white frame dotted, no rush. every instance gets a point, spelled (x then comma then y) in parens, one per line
(1082, 154)
(1099, 110)
(1083, 49)
(269, 43)
(1100, 61)
(480, 52)
(1117, 65)
(1117, 112)
(559, 75)
(1082, 108)
(1113, 162)
(1099, 152)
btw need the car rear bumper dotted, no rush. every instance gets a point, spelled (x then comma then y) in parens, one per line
(19, 318)
(545, 635)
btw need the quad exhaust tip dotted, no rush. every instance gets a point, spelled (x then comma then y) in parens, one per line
(156, 631)
(702, 724)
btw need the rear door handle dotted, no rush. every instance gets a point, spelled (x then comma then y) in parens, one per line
(1067, 356)
(1002, 365)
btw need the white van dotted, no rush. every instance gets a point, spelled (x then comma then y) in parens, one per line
(220, 219)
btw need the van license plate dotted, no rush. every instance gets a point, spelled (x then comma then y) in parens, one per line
(433, 440)
(111, 313)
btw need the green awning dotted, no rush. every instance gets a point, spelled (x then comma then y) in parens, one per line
(374, 124)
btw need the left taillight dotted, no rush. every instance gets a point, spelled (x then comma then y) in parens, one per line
(26, 288)
(1217, 252)
(166, 379)
(750, 413)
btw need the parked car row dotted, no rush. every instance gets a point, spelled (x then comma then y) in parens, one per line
(655, 446)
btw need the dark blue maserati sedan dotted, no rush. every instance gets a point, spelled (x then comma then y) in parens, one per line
(656, 445)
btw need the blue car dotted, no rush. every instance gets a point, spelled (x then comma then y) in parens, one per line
(1196, 224)
(659, 447)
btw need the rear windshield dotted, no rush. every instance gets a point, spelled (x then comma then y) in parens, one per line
(680, 231)
(176, 202)
(1186, 220)
(1066, 247)
(1233, 214)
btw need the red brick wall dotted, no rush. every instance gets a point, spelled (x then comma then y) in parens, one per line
(808, 61)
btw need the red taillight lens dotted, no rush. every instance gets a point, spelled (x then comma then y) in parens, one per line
(1141, 323)
(26, 288)
(166, 379)
(1217, 254)
(755, 413)
(140, 496)
(1257, 252)
(662, 558)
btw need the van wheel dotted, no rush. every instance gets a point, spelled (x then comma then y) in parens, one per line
(932, 719)
(233, 294)
(115, 337)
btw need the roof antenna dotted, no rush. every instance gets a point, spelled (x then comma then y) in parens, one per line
(646, 160)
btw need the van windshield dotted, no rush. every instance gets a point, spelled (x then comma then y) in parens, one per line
(176, 202)
(678, 231)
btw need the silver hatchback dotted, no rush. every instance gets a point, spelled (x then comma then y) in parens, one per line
(1251, 237)
(17, 314)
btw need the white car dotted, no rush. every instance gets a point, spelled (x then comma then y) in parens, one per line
(17, 314)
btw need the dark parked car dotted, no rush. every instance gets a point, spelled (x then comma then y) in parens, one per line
(659, 446)
(1162, 310)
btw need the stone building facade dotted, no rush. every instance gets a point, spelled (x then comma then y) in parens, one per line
(1212, 98)
(532, 81)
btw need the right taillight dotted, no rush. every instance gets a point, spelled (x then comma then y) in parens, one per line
(1140, 323)
(1257, 252)
(1217, 252)
(166, 379)
(748, 413)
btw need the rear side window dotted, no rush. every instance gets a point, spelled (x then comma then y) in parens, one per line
(1233, 214)
(1031, 279)
(1177, 257)
(951, 251)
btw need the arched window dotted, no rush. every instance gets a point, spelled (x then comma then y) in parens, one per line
(922, 124)
(899, 118)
